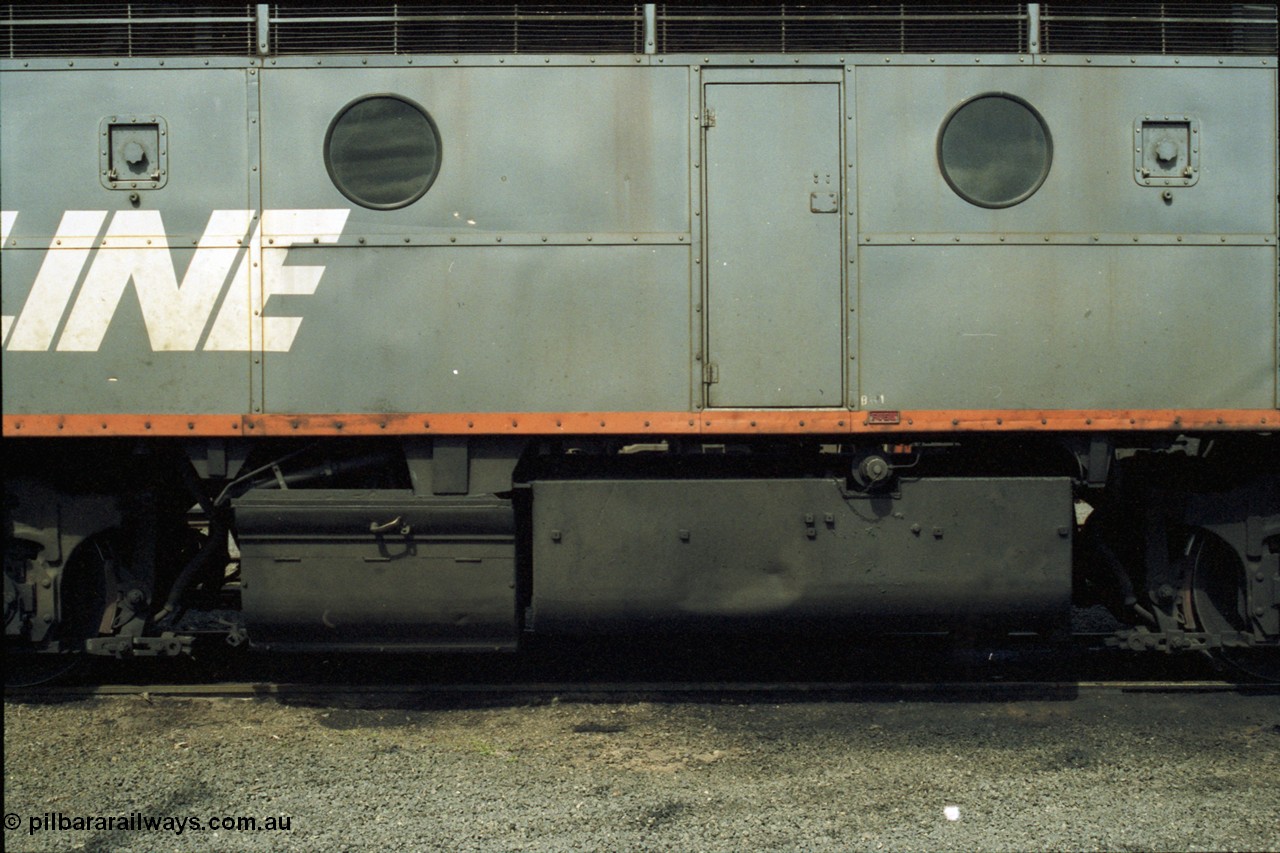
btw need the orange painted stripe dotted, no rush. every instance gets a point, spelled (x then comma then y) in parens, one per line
(475, 423)
(716, 422)
(122, 425)
(1085, 420)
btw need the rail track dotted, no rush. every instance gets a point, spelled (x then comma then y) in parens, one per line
(664, 691)
(680, 670)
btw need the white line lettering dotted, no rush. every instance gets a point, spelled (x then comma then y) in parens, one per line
(175, 315)
(274, 334)
(54, 284)
(135, 249)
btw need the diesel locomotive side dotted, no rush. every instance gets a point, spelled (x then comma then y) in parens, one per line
(421, 328)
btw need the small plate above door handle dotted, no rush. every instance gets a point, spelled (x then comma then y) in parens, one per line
(824, 202)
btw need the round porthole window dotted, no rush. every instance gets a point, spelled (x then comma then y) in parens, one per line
(382, 151)
(995, 150)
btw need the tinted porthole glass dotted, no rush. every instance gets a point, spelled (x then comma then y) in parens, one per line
(382, 151)
(995, 150)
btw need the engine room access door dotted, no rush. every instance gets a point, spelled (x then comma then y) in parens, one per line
(773, 220)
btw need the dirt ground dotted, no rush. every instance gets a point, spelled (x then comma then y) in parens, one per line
(1144, 771)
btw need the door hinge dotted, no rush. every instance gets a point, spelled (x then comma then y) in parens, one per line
(710, 373)
(709, 117)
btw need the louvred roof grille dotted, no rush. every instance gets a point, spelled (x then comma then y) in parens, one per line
(172, 29)
(1159, 28)
(828, 28)
(126, 29)
(431, 28)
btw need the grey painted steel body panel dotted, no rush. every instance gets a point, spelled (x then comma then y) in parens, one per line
(516, 328)
(1090, 113)
(124, 374)
(1097, 324)
(604, 152)
(774, 291)
(651, 555)
(542, 151)
(1074, 327)
(50, 161)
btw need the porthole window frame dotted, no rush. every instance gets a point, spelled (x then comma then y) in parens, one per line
(344, 189)
(1048, 141)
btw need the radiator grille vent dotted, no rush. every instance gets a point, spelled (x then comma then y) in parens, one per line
(126, 30)
(172, 29)
(476, 28)
(1159, 28)
(827, 28)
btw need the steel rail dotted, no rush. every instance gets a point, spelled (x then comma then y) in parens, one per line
(850, 690)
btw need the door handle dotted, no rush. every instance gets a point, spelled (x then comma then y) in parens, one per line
(378, 529)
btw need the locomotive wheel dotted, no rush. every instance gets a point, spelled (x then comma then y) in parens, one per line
(83, 602)
(1217, 586)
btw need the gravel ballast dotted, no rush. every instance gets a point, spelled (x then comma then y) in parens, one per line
(1102, 771)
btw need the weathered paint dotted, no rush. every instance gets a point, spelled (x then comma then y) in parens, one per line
(489, 296)
(717, 422)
